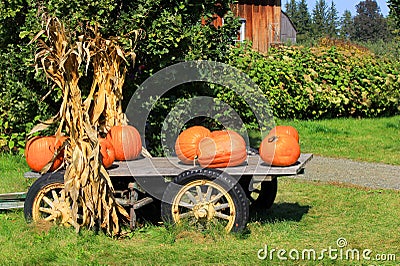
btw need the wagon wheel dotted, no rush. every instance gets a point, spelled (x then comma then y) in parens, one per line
(206, 198)
(46, 201)
(264, 195)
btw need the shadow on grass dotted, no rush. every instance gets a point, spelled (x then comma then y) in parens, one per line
(279, 212)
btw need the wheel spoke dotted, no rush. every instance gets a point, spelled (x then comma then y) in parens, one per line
(221, 206)
(186, 205)
(191, 197)
(208, 194)
(222, 216)
(217, 197)
(48, 201)
(46, 210)
(199, 193)
(62, 195)
(186, 215)
(55, 196)
(49, 218)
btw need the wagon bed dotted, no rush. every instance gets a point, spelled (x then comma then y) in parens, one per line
(171, 166)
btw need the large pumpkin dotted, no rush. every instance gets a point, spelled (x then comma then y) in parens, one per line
(289, 130)
(107, 152)
(279, 150)
(40, 150)
(186, 145)
(222, 149)
(126, 142)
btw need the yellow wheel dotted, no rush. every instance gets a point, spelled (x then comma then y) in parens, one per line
(206, 198)
(51, 205)
(46, 201)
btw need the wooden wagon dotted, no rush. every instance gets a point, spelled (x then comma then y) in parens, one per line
(199, 196)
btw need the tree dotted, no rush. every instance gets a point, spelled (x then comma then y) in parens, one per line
(319, 18)
(394, 6)
(332, 21)
(347, 25)
(369, 23)
(291, 9)
(303, 23)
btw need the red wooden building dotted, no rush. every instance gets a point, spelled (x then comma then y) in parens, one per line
(261, 22)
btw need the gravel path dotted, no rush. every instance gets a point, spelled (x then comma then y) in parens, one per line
(373, 175)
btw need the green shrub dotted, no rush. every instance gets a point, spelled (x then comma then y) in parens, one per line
(328, 81)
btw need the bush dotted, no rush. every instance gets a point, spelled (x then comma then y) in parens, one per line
(332, 80)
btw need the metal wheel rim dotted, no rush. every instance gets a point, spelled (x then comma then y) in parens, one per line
(204, 202)
(51, 205)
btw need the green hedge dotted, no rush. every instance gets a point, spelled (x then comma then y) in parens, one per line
(328, 81)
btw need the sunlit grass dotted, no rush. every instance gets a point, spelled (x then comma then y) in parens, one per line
(305, 215)
(371, 140)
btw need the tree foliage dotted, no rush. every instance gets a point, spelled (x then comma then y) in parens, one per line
(172, 33)
(303, 19)
(332, 21)
(347, 26)
(394, 6)
(369, 23)
(319, 18)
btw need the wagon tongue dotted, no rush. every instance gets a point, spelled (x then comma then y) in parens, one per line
(12, 200)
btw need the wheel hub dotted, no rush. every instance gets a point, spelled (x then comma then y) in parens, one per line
(204, 211)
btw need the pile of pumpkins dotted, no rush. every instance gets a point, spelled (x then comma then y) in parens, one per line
(122, 143)
(223, 148)
(217, 149)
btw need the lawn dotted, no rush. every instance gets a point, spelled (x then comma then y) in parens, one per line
(306, 217)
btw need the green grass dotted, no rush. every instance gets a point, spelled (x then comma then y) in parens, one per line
(12, 169)
(371, 140)
(306, 215)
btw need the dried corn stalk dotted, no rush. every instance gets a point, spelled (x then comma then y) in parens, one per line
(87, 183)
(108, 60)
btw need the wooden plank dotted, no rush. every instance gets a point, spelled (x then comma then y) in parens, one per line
(13, 196)
(11, 205)
(171, 166)
(32, 174)
(263, 29)
(248, 15)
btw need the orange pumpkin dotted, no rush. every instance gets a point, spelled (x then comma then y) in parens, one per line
(289, 130)
(107, 152)
(279, 150)
(40, 150)
(186, 145)
(222, 149)
(126, 142)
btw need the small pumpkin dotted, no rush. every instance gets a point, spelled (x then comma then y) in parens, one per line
(222, 149)
(279, 150)
(126, 142)
(40, 150)
(107, 152)
(289, 130)
(186, 145)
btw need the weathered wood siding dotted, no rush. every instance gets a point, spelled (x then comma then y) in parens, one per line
(263, 21)
(288, 31)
